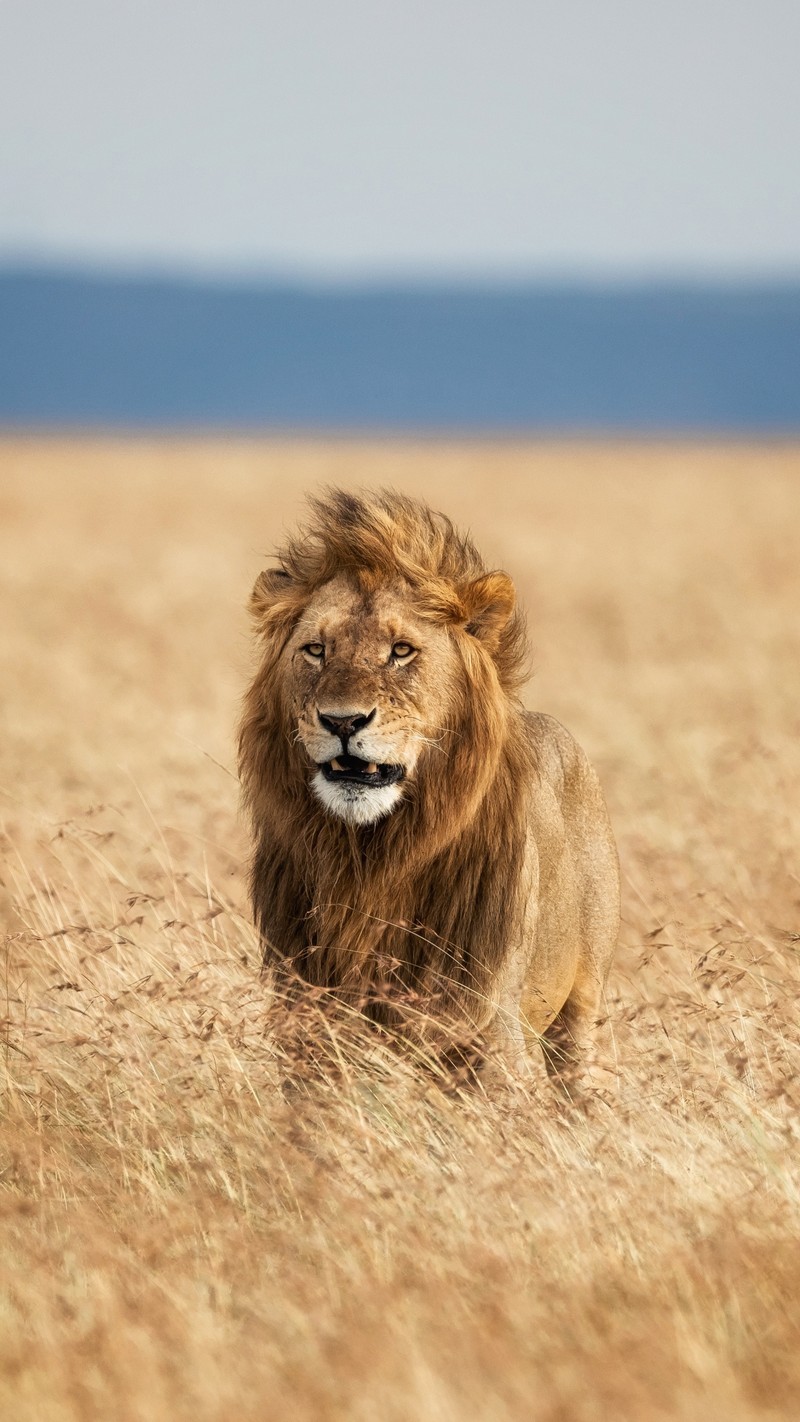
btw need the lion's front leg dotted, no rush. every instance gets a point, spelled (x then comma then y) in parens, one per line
(506, 1061)
(304, 1031)
(568, 1044)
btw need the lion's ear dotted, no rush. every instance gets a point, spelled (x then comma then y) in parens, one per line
(489, 602)
(271, 591)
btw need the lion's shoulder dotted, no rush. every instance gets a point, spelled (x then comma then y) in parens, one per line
(559, 758)
(564, 775)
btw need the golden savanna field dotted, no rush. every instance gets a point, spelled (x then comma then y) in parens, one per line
(179, 1239)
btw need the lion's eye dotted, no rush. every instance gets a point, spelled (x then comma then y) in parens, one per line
(315, 650)
(401, 651)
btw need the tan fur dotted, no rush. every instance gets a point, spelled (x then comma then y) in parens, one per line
(486, 902)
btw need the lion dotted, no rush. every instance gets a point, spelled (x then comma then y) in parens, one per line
(422, 843)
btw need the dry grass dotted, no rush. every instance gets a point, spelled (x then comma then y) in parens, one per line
(178, 1243)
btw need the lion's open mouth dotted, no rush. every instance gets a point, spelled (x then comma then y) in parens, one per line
(361, 772)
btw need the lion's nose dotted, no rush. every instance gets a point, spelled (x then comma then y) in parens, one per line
(345, 726)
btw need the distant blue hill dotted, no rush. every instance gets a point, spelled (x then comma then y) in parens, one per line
(82, 350)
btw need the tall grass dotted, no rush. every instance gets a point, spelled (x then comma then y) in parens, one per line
(180, 1239)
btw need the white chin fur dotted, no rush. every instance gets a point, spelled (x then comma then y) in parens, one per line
(358, 804)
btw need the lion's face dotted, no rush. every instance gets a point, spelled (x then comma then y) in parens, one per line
(369, 684)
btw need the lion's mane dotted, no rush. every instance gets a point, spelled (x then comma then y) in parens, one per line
(421, 902)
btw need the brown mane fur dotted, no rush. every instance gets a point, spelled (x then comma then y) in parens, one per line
(421, 903)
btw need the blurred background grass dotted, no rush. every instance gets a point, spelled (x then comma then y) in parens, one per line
(177, 1242)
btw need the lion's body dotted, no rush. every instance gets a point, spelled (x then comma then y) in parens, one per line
(424, 848)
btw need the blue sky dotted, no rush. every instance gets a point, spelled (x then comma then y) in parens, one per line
(420, 138)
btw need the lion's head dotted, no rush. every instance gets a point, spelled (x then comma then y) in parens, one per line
(369, 682)
(389, 655)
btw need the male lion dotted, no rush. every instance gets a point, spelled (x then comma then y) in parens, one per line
(420, 838)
